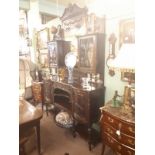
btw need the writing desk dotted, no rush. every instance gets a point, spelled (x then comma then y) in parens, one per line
(82, 103)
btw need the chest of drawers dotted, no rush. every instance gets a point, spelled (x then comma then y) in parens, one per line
(118, 130)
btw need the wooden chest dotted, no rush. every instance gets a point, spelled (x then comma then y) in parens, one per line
(118, 130)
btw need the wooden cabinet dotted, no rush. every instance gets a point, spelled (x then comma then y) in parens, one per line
(57, 51)
(83, 104)
(91, 52)
(118, 130)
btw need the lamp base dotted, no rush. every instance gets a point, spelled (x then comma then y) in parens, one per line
(70, 75)
(127, 107)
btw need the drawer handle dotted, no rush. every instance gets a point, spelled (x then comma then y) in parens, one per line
(110, 140)
(130, 141)
(109, 130)
(130, 129)
(129, 152)
(110, 120)
(119, 147)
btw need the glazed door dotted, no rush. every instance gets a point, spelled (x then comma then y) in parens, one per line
(87, 53)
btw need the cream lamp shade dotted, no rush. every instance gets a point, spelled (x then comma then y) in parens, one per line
(125, 62)
(125, 59)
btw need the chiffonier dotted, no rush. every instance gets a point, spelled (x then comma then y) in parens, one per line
(81, 103)
(118, 130)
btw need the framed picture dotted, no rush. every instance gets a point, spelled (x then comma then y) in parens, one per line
(125, 76)
(43, 60)
(126, 31)
(42, 38)
(43, 51)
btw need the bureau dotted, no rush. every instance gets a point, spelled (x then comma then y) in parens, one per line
(117, 130)
(82, 103)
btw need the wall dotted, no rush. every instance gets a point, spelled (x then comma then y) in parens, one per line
(114, 83)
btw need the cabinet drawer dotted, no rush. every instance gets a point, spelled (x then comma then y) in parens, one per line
(116, 146)
(119, 136)
(125, 127)
(82, 98)
(81, 107)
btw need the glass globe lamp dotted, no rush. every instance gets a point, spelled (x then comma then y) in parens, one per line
(70, 62)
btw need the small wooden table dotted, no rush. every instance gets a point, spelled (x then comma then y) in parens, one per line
(29, 117)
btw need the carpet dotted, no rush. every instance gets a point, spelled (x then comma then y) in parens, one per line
(60, 141)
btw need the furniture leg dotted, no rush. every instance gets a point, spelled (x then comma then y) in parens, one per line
(103, 148)
(38, 137)
(89, 137)
(73, 129)
(46, 109)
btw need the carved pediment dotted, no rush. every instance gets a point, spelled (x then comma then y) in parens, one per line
(73, 11)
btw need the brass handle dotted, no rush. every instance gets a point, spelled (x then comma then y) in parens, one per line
(119, 147)
(109, 130)
(129, 152)
(110, 120)
(130, 141)
(131, 129)
(110, 140)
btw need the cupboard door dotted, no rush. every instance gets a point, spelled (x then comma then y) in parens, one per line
(91, 52)
(81, 107)
(87, 53)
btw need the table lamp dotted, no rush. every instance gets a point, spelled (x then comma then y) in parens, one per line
(125, 62)
(70, 62)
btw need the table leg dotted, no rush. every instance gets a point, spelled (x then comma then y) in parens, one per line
(89, 137)
(38, 137)
(103, 148)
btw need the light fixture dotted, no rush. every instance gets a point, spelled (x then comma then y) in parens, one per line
(70, 62)
(125, 62)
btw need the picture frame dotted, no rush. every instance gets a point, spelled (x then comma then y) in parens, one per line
(43, 51)
(43, 60)
(126, 31)
(126, 75)
(42, 38)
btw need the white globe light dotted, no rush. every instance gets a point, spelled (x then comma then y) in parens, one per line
(70, 62)
(70, 59)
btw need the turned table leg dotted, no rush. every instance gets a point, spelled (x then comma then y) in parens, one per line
(89, 137)
(38, 137)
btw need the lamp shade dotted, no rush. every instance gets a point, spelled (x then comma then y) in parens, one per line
(125, 60)
(70, 59)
